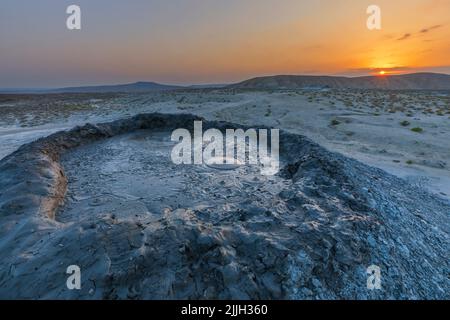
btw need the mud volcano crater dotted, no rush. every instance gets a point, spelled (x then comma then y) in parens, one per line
(108, 198)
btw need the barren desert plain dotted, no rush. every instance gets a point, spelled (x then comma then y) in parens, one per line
(405, 133)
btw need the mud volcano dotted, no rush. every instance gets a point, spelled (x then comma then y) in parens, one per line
(108, 198)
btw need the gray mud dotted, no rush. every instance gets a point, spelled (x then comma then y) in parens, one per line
(108, 199)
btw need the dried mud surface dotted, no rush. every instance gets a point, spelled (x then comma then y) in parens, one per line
(107, 197)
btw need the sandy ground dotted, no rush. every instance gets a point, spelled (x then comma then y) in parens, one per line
(378, 128)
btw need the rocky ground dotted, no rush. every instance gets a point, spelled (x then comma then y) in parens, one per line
(108, 199)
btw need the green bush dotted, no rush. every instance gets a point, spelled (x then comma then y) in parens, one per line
(417, 129)
(405, 123)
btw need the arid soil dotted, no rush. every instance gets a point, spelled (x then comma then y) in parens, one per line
(107, 198)
(402, 132)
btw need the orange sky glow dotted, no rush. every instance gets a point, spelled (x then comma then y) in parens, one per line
(198, 41)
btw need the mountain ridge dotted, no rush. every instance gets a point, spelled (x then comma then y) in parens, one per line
(139, 86)
(412, 81)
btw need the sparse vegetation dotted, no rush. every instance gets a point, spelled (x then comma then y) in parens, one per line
(405, 123)
(417, 129)
(335, 122)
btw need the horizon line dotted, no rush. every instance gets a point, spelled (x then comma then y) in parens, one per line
(336, 75)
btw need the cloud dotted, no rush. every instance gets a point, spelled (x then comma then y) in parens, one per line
(425, 30)
(404, 37)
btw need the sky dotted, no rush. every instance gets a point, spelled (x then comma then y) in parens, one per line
(216, 41)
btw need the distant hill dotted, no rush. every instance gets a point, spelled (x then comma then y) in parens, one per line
(131, 87)
(413, 81)
(208, 86)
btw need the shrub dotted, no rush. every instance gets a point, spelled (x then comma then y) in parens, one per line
(405, 123)
(335, 122)
(417, 129)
